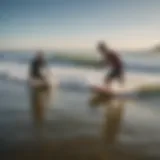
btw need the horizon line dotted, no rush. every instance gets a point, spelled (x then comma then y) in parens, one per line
(71, 49)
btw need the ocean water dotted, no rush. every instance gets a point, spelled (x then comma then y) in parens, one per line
(140, 123)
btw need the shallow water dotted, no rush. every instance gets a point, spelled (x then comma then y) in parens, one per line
(70, 114)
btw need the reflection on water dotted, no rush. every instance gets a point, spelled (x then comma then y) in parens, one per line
(113, 109)
(39, 99)
(112, 123)
(79, 144)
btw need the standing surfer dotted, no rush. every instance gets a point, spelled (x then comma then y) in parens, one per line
(37, 73)
(113, 60)
(37, 66)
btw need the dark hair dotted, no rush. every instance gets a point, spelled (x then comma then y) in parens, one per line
(102, 45)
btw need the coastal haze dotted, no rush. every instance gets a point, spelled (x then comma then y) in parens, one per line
(78, 24)
(68, 31)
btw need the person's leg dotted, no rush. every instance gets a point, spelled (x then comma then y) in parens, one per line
(121, 79)
(109, 79)
(46, 90)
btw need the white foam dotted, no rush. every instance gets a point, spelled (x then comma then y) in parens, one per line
(80, 77)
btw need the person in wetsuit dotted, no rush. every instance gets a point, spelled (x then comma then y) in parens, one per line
(39, 96)
(113, 60)
(36, 66)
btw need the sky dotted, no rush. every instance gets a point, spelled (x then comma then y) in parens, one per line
(78, 24)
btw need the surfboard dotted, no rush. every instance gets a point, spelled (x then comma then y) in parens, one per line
(111, 94)
(101, 90)
(126, 93)
(101, 95)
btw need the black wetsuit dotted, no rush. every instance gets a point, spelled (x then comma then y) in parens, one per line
(35, 68)
(116, 64)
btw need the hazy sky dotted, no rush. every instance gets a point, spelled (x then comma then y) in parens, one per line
(71, 24)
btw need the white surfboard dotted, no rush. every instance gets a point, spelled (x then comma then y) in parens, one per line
(126, 93)
(135, 85)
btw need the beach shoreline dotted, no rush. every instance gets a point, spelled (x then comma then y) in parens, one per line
(80, 148)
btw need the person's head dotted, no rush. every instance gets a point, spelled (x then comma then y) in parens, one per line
(40, 55)
(102, 47)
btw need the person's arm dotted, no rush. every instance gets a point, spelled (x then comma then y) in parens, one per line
(30, 70)
(47, 69)
(29, 76)
(121, 65)
(103, 63)
(116, 59)
(119, 60)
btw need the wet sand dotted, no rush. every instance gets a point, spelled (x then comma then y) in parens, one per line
(102, 147)
(70, 142)
(82, 148)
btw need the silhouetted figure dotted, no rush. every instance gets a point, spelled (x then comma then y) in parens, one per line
(37, 74)
(113, 60)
